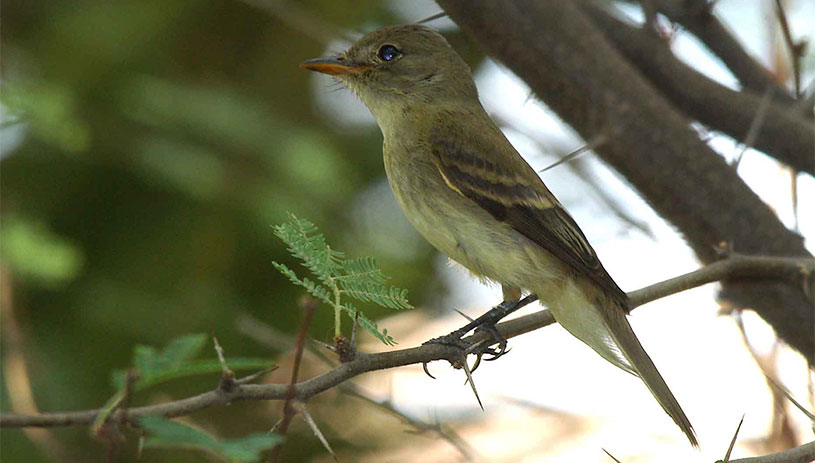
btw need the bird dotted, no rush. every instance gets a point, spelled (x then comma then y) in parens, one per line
(472, 196)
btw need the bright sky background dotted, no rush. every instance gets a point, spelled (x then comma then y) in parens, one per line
(700, 354)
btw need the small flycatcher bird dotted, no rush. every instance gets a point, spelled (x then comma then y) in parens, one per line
(472, 196)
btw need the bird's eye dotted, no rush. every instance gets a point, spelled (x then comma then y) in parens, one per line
(388, 52)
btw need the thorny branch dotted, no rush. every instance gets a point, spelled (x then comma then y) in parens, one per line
(800, 270)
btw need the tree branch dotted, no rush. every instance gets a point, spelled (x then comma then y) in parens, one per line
(571, 66)
(734, 267)
(784, 134)
(804, 453)
(698, 18)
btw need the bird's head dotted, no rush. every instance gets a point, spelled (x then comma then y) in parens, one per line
(400, 66)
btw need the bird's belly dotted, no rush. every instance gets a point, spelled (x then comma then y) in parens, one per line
(468, 234)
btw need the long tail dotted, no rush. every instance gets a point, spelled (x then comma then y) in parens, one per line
(631, 348)
(602, 324)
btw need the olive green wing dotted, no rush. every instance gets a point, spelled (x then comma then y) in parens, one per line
(483, 166)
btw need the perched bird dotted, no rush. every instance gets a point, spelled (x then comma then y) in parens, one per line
(472, 196)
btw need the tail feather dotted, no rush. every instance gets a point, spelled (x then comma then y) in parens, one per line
(630, 346)
(601, 322)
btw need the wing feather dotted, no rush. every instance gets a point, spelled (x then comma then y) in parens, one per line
(488, 170)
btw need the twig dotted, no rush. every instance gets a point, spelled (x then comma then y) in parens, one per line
(649, 10)
(789, 397)
(610, 455)
(432, 18)
(733, 267)
(261, 332)
(795, 49)
(785, 135)
(698, 18)
(15, 369)
(804, 453)
(592, 144)
(755, 125)
(309, 306)
(449, 435)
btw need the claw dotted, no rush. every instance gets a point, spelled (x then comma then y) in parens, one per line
(426, 371)
(477, 362)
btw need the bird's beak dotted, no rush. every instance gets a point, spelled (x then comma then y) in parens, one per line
(333, 66)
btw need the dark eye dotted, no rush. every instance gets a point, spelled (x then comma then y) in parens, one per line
(388, 52)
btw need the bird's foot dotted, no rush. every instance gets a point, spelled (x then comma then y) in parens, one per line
(484, 323)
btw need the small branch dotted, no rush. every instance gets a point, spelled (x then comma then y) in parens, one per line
(735, 267)
(266, 335)
(309, 307)
(795, 49)
(698, 18)
(802, 454)
(449, 435)
(784, 135)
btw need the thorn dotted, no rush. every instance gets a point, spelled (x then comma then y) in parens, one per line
(597, 141)
(276, 426)
(472, 384)
(221, 358)
(301, 408)
(254, 376)
(610, 455)
(733, 442)
(140, 448)
(227, 382)
(325, 345)
(431, 18)
(789, 397)
(469, 319)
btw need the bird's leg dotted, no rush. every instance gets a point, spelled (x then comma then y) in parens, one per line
(487, 322)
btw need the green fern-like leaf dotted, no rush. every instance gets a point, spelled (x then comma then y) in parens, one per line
(370, 325)
(310, 247)
(392, 298)
(337, 276)
(311, 287)
(362, 269)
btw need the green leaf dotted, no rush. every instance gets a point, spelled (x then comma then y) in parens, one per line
(164, 432)
(181, 349)
(369, 325)
(36, 253)
(150, 362)
(362, 269)
(359, 278)
(392, 297)
(175, 361)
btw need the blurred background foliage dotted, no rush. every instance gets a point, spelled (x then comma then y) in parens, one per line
(147, 149)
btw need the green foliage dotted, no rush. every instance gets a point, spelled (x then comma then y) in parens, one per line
(176, 360)
(37, 254)
(49, 111)
(164, 432)
(152, 367)
(358, 278)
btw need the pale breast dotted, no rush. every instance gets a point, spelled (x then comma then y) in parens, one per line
(457, 226)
